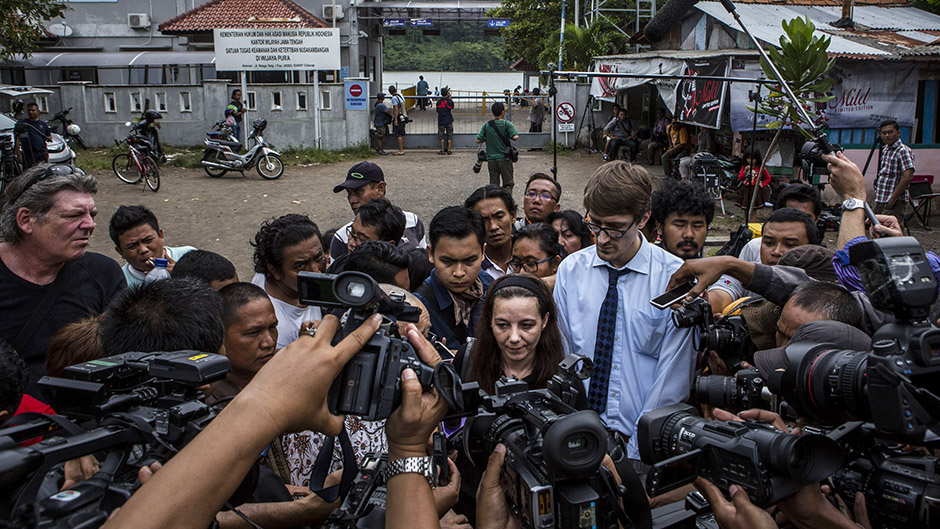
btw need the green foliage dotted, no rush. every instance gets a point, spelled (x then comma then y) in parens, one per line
(459, 47)
(21, 24)
(803, 62)
(534, 20)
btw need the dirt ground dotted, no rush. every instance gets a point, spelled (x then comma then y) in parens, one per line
(222, 215)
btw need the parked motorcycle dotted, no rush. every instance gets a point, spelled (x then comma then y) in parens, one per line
(219, 157)
(70, 131)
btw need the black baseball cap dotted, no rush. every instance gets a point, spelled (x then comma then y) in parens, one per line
(773, 362)
(361, 174)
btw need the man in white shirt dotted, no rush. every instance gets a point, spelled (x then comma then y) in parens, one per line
(641, 360)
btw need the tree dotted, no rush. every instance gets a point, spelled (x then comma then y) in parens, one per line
(533, 21)
(582, 44)
(21, 24)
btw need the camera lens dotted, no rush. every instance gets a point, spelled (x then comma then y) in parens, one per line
(717, 391)
(826, 384)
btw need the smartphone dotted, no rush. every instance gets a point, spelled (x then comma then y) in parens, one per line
(673, 473)
(672, 297)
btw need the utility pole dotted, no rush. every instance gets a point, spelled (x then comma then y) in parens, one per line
(561, 41)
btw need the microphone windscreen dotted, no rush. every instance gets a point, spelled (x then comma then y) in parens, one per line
(667, 16)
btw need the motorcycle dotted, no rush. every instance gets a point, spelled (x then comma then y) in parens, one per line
(147, 127)
(70, 131)
(219, 156)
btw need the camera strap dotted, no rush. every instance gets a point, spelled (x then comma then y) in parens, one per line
(502, 136)
(321, 468)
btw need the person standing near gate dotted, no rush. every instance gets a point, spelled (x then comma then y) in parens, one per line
(31, 135)
(536, 112)
(398, 118)
(497, 133)
(445, 122)
(422, 87)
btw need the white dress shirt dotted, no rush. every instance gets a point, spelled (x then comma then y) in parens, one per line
(652, 361)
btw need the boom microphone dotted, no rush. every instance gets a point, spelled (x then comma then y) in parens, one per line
(670, 14)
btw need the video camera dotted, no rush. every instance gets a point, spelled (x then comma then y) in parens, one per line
(369, 386)
(901, 488)
(135, 406)
(811, 156)
(896, 384)
(767, 463)
(552, 475)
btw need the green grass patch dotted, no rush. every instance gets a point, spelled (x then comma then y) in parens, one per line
(306, 156)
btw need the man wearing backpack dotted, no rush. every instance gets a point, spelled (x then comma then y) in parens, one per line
(497, 133)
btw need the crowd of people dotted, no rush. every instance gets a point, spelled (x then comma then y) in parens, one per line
(510, 290)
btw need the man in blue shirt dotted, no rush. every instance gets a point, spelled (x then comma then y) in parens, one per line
(380, 121)
(31, 136)
(422, 88)
(641, 360)
(453, 293)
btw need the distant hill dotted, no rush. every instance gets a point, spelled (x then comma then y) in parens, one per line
(459, 48)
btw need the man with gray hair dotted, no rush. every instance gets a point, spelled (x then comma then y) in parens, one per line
(47, 279)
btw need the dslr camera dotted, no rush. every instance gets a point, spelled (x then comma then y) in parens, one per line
(403, 119)
(811, 156)
(728, 336)
(369, 386)
(481, 158)
(746, 390)
(552, 475)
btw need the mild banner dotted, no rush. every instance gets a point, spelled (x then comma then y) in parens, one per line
(869, 92)
(700, 102)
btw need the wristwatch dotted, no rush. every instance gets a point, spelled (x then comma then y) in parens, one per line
(419, 465)
(853, 203)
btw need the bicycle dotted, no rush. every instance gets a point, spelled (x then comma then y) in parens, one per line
(137, 160)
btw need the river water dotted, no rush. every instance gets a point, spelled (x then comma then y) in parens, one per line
(473, 81)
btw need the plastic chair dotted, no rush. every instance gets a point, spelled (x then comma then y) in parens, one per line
(921, 191)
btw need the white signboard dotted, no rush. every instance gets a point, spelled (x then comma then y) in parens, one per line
(276, 49)
(566, 127)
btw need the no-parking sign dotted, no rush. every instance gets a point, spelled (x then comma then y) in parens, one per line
(357, 96)
(564, 112)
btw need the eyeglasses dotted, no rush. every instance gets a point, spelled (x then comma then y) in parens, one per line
(613, 233)
(358, 237)
(544, 195)
(529, 266)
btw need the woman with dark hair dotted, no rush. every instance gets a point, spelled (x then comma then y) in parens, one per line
(573, 233)
(536, 250)
(522, 337)
(284, 247)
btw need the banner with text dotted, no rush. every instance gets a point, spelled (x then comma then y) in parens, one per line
(869, 92)
(277, 49)
(606, 88)
(700, 102)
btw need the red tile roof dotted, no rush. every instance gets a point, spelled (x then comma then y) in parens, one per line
(242, 14)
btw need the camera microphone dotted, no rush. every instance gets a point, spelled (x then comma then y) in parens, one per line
(668, 16)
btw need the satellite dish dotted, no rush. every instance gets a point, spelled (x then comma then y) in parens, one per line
(60, 29)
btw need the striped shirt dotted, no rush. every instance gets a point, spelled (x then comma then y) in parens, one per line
(895, 159)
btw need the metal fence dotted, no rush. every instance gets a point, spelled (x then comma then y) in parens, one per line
(472, 110)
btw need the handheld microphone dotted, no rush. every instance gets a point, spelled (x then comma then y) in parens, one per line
(667, 16)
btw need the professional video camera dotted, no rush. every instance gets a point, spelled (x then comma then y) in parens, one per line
(746, 390)
(901, 487)
(896, 384)
(729, 336)
(767, 463)
(137, 407)
(369, 386)
(552, 475)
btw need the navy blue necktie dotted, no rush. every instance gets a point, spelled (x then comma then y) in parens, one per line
(604, 344)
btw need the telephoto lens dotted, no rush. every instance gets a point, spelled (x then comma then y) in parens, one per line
(767, 463)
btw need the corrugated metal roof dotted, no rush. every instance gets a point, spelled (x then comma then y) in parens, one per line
(897, 18)
(873, 17)
(683, 54)
(764, 22)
